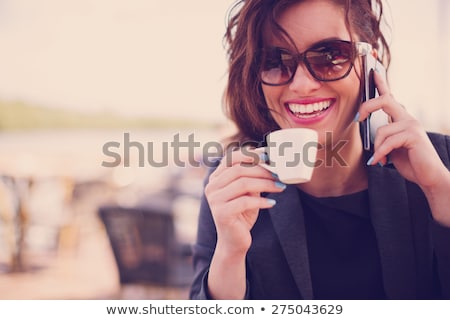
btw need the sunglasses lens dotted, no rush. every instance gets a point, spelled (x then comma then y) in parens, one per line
(327, 61)
(277, 66)
(330, 61)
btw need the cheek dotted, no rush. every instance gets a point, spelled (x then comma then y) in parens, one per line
(271, 93)
(267, 91)
(272, 96)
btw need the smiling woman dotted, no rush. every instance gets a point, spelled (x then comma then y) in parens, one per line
(373, 226)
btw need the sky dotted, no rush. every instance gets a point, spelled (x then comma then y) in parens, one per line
(166, 58)
(135, 56)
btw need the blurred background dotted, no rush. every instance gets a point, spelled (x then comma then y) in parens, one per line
(94, 94)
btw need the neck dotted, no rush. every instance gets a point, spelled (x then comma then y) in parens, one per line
(341, 170)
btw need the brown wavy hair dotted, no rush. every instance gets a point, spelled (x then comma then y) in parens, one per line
(247, 21)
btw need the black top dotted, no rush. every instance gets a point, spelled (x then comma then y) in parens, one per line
(343, 252)
(413, 249)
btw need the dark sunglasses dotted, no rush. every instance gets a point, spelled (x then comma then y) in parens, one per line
(328, 60)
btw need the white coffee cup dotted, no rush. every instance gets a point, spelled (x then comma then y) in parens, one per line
(291, 154)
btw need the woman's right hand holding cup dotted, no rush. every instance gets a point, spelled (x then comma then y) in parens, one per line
(234, 196)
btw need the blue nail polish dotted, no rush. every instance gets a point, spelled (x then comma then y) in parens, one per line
(275, 175)
(370, 161)
(356, 117)
(271, 202)
(280, 185)
(264, 157)
(380, 164)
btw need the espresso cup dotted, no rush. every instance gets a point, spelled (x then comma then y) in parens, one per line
(291, 154)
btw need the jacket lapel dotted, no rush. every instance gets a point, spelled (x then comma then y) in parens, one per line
(289, 224)
(390, 217)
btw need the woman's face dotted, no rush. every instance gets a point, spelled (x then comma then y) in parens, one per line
(305, 101)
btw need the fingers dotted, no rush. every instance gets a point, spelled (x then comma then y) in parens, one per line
(397, 135)
(387, 138)
(242, 204)
(234, 197)
(391, 136)
(238, 182)
(384, 101)
(381, 83)
(244, 157)
(242, 166)
(403, 139)
(242, 186)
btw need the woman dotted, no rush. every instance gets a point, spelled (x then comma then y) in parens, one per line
(362, 228)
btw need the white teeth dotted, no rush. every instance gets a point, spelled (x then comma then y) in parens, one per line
(310, 108)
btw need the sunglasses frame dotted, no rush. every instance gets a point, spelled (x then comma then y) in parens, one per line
(359, 49)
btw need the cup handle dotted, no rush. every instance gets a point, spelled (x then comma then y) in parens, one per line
(260, 151)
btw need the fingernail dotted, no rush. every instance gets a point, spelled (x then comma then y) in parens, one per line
(275, 175)
(380, 164)
(264, 157)
(356, 117)
(370, 161)
(280, 185)
(271, 202)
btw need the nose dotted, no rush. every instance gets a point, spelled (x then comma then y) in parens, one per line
(303, 82)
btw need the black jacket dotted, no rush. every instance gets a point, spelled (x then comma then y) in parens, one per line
(414, 249)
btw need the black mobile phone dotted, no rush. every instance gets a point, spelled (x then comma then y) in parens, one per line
(369, 91)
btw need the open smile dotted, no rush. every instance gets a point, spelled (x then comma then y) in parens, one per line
(309, 110)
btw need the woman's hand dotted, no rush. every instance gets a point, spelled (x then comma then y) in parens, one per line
(409, 149)
(234, 196)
